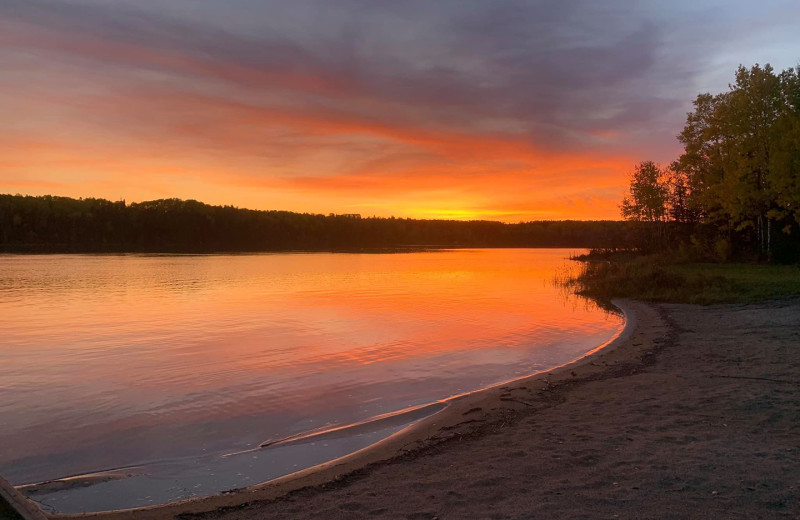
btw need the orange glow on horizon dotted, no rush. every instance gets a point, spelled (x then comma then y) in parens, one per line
(417, 173)
(160, 140)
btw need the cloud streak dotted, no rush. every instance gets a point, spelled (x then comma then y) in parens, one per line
(360, 104)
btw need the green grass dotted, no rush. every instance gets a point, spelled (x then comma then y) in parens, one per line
(654, 278)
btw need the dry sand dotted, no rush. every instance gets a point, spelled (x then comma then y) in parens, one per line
(695, 413)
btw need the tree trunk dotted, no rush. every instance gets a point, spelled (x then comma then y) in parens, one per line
(769, 236)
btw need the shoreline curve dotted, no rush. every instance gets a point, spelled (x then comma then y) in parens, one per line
(457, 415)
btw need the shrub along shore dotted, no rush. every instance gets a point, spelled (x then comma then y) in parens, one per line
(659, 278)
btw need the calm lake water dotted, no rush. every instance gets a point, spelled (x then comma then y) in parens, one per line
(171, 362)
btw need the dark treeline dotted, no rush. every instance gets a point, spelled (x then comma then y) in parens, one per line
(49, 224)
(736, 187)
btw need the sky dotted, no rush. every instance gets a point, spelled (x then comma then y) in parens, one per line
(507, 110)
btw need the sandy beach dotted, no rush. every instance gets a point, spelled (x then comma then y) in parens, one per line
(694, 412)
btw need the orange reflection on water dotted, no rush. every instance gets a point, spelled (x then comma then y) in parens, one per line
(172, 354)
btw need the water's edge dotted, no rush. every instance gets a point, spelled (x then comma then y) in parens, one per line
(378, 434)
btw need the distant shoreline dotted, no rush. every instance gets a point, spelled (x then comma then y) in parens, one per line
(350, 250)
(50, 224)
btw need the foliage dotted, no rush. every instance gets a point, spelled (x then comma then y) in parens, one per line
(648, 194)
(61, 224)
(656, 278)
(740, 169)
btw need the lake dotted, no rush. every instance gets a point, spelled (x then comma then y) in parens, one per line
(176, 368)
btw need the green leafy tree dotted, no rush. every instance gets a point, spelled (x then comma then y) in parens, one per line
(701, 162)
(784, 168)
(751, 109)
(742, 155)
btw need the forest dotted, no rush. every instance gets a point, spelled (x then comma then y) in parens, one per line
(736, 187)
(49, 224)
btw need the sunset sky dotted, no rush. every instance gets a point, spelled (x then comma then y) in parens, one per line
(503, 110)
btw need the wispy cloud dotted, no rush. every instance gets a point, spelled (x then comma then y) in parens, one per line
(333, 106)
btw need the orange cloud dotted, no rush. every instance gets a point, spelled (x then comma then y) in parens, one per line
(162, 140)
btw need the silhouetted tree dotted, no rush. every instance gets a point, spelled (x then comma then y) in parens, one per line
(649, 194)
(61, 224)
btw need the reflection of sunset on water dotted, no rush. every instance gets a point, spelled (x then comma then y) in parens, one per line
(149, 350)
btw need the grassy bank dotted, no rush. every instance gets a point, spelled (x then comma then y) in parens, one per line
(657, 278)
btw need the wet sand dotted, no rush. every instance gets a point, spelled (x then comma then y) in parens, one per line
(693, 413)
